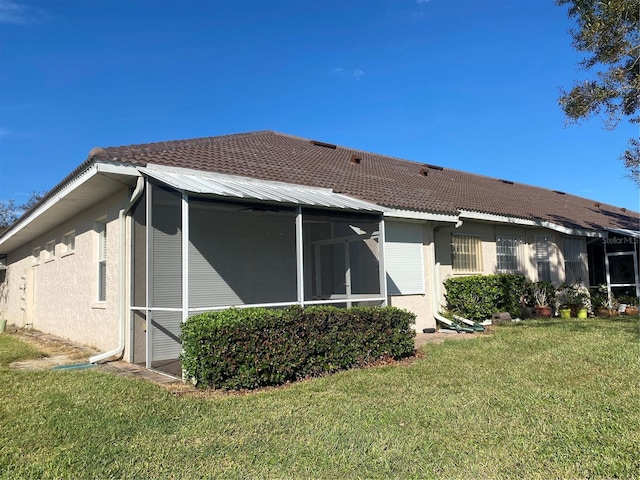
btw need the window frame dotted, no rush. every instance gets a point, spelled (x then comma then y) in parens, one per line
(101, 229)
(542, 260)
(513, 254)
(475, 256)
(69, 243)
(50, 251)
(571, 263)
(36, 254)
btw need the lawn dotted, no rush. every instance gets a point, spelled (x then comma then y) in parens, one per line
(538, 399)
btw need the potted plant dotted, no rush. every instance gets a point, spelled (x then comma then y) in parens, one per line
(600, 302)
(631, 302)
(575, 297)
(526, 301)
(541, 297)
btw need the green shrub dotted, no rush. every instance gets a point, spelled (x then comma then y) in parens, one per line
(478, 297)
(255, 347)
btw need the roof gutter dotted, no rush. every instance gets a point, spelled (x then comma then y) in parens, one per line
(122, 308)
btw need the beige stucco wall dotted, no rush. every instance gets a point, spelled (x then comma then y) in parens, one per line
(488, 233)
(59, 296)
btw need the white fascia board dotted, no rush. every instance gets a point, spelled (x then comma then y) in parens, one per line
(490, 217)
(625, 232)
(72, 185)
(414, 215)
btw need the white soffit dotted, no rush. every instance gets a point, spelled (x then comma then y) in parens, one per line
(209, 183)
(98, 181)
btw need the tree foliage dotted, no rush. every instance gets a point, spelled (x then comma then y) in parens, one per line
(10, 211)
(608, 31)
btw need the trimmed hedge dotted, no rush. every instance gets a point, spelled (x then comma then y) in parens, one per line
(478, 297)
(257, 347)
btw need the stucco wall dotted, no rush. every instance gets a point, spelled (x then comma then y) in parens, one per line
(59, 296)
(488, 234)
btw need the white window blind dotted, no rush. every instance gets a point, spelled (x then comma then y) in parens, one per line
(543, 263)
(403, 259)
(102, 261)
(466, 253)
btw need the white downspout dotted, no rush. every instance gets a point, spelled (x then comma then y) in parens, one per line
(122, 291)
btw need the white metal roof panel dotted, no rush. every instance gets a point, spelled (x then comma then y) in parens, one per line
(208, 183)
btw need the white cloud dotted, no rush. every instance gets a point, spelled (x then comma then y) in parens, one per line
(341, 72)
(20, 14)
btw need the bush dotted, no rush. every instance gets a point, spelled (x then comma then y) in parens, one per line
(256, 347)
(478, 297)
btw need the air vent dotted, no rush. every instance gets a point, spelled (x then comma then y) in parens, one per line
(597, 205)
(508, 182)
(355, 159)
(623, 209)
(433, 167)
(424, 171)
(558, 192)
(322, 144)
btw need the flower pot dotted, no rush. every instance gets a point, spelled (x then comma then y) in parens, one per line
(565, 313)
(602, 312)
(631, 310)
(526, 312)
(583, 313)
(544, 312)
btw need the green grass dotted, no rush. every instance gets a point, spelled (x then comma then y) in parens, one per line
(539, 399)
(12, 350)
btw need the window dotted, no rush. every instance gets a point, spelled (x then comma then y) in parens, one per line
(50, 250)
(36, 254)
(543, 264)
(69, 242)
(403, 258)
(509, 254)
(101, 227)
(466, 253)
(573, 260)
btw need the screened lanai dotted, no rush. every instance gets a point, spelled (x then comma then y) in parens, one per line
(215, 242)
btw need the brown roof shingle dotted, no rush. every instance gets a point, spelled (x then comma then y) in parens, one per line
(384, 180)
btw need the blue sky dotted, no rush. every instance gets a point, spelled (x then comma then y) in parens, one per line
(466, 84)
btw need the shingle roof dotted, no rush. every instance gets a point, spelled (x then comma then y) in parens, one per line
(387, 181)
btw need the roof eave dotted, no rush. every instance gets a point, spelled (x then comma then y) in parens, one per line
(490, 217)
(31, 224)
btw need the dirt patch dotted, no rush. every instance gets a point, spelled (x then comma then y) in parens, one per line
(55, 351)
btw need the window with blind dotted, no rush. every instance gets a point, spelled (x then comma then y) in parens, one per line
(466, 253)
(543, 261)
(573, 260)
(101, 227)
(509, 254)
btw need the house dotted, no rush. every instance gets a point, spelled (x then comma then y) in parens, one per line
(138, 238)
